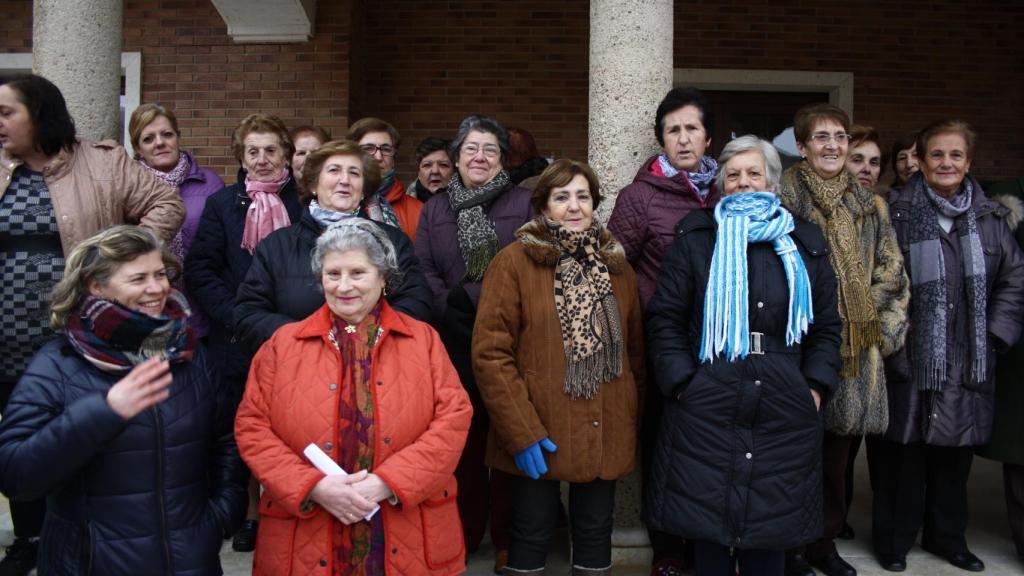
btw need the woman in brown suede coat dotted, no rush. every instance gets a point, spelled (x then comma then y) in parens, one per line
(558, 357)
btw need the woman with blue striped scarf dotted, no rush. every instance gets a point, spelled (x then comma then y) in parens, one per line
(743, 335)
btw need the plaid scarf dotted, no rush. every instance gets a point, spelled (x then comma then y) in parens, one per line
(116, 339)
(928, 318)
(377, 205)
(743, 219)
(478, 241)
(587, 311)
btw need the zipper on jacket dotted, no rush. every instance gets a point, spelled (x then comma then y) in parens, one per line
(160, 487)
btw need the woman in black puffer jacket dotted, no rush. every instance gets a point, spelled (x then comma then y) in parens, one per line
(121, 424)
(737, 467)
(280, 286)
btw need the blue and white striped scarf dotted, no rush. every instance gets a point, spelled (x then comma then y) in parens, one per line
(744, 218)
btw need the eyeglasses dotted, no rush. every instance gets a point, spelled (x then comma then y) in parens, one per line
(384, 149)
(823, 138)
(470, 150)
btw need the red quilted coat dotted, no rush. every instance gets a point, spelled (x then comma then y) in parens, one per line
(421, 420)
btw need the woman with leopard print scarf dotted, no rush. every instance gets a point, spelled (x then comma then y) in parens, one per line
(564, 407)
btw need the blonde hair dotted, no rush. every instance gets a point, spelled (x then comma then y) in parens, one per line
(143, 116)
(97, 259)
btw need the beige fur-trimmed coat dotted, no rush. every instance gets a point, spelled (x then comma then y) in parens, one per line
(859, 405)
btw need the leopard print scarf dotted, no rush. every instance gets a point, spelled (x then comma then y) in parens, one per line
(587, 311)
(478, 241)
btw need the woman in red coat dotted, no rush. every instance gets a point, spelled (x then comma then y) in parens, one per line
(375, 391)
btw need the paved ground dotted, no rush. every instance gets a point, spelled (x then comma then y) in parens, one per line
(987, 536)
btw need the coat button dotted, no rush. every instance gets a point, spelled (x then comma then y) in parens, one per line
(757, 382)
(394, 550)
(951, 306)
(596, 423)
(323, 561)
(749, 455)
(379, 383)
(332, 386)
(387, 440)
(760, 304)
(328, 446)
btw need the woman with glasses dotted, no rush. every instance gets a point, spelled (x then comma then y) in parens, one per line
(873, 293)
(460, 231)
(389, 203)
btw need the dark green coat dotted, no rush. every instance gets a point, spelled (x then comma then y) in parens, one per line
(1007, 444)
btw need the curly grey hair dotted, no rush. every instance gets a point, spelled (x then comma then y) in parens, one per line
(359, 234)
(479, 124)
(772, 163)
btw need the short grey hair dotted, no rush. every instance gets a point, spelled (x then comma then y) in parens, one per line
(772, 163)
(359, 234)
(478, 124)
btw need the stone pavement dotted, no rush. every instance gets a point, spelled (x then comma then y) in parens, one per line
(988, 536)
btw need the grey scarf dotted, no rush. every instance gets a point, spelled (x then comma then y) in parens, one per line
(929, 316)
(478, 241)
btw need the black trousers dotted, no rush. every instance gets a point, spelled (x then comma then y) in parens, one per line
(483, 493)
(1013, 485)
(835, 455)
(717, 560)
(664, 545)
(535, 509)
(919, 485)
(27, 516)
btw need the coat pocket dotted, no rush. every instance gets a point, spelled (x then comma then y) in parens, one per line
(275, 540)
(439, 514)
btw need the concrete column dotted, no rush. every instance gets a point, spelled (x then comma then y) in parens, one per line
(76, 44)
(630, 72)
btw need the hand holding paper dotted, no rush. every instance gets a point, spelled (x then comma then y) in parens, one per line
(335, 492)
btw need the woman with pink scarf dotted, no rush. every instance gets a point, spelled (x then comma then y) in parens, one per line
(233, 223)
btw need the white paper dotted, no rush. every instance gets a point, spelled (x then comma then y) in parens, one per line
(327, 465)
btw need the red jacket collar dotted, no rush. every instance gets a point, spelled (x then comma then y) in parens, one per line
(318, 324)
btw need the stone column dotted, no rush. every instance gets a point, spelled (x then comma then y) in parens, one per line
(76, 44)
(630, 72)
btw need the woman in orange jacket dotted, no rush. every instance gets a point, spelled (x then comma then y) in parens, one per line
(374, 390)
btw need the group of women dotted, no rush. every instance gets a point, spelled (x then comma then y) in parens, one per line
(787, 315)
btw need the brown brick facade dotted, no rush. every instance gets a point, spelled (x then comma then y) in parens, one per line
(425, 65)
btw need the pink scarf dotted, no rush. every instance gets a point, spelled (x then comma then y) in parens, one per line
(266, 213)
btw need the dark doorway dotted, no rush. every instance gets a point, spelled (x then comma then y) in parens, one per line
(763, 114)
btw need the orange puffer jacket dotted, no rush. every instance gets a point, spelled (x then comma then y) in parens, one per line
(421, 419)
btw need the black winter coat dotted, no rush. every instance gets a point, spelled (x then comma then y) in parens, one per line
(152, 495)
(280, 286)
(217, 264)
(738, 460)
(960, 414)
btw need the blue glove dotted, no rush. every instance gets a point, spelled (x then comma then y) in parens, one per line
(531, 460)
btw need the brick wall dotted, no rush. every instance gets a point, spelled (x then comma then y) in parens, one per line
(190, 65)
(913, 61)
(425, 65)
(429, 64)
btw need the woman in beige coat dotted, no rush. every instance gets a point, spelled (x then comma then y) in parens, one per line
(558, 357)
